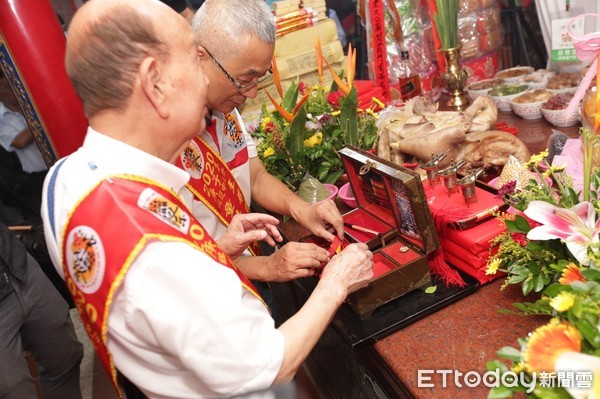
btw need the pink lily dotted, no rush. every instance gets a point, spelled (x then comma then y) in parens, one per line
(577, 227)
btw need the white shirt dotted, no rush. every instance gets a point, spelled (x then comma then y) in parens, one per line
(181, 325)
(11, 124)
(231, 150)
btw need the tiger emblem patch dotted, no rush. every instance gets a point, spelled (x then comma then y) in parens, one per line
(86, 260)
(164, 209)
(193, 160)
(233, 131)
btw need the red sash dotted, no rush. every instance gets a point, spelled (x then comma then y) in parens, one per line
(212, 182)
(98, 250)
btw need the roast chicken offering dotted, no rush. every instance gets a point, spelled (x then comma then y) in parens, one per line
(418, 129)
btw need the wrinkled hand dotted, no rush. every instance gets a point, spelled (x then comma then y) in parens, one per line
(245, 229)
(349, 270)
(295, 260)
(320, 218)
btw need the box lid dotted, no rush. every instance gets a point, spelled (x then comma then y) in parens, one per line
(392, 193)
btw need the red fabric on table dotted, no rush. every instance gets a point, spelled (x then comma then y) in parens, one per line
(477, 238)
(366, 90)
(447, 210)
(469, 249)
(478, 273)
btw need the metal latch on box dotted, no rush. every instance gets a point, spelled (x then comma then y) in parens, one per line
(367, 167)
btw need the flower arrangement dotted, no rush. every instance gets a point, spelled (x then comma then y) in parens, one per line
(552, 247)
(307, 128)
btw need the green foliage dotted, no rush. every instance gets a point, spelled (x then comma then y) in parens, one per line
(324, 124)
(568, 290)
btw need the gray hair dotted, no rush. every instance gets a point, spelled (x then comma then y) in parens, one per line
(220, 24)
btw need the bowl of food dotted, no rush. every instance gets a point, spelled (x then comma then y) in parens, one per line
(347, 195)
(481, 87)
(563, 83)
(514, 75)
(553, 110)
(537, 79)
(503, 94)
(528, 105)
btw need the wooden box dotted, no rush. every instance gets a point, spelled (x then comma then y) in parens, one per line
(392, 203)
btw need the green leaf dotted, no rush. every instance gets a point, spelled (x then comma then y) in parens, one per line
(333, 176)
(527, 286)
(554, 289)
(508, 352)
(496, 365)
(431, 290)
(295, 139)
(550, 393)
(589, 332)
(515, 279)
(500, 393)
(533, 268)
(519, 271)
(522, 224)
(579, 287)
(348, 119)
(591, 274)
(291, 97)
(538, 283)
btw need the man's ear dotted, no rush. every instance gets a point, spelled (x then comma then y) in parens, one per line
(152, 85)
(203, 54)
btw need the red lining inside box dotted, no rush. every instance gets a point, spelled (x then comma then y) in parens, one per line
(383, 264)
(361, 217)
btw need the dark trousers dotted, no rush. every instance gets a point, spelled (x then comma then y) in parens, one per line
(36, 318)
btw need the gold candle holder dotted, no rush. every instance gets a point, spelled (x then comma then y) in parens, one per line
(454, 80)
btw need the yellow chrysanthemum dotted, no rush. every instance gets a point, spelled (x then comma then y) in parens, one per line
(264, 122)
(571, 273)
(268, 152)
(556, 169)
(492, 266)
(547, 343)
(537, 158)
(563, 301)
(547, 173)
(336, 113)
(313, 140)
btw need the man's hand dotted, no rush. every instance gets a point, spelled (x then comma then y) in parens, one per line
(350, 270)
(245, 229)
(320, 218)
(295, 260)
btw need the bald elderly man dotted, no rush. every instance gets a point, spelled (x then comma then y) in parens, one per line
(162, 301)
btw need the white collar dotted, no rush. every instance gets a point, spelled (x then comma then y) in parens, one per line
(127, 159)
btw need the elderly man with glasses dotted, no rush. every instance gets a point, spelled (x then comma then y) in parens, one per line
(236, 41)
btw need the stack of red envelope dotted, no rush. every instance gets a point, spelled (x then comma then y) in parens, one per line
(465, 232)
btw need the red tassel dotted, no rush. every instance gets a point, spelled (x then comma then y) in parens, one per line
(443, 219)
(441, 269)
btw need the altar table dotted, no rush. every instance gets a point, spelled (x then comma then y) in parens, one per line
(458, 338)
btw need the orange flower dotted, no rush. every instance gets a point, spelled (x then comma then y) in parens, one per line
(287, 115)
(350, 67)
(571, 273)
(547, 343)
(319, 60)
(276, 76)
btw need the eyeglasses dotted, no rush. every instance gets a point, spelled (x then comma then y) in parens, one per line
(244, 85)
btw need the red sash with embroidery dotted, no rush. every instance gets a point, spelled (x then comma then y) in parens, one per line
(98, 251)
(212, 182)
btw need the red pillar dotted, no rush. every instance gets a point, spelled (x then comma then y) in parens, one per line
(32, 52)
